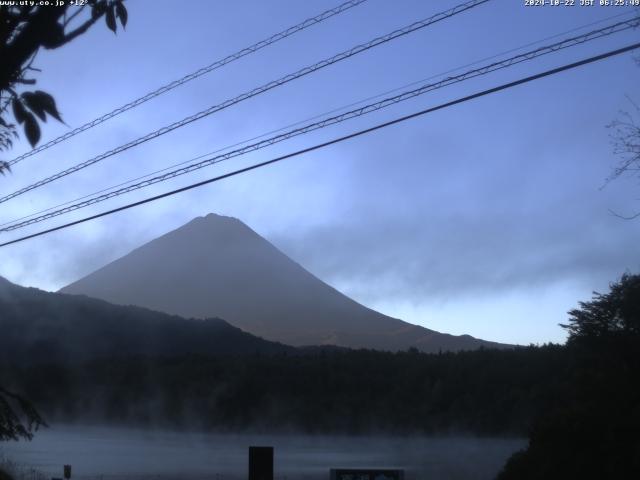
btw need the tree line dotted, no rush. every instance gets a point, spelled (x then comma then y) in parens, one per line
(486, 392)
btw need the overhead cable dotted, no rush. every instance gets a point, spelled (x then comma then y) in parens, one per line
(193, 75)
(567, 43)
(489, 91)
(252, 93)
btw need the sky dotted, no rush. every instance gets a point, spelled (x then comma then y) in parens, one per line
(490, 218)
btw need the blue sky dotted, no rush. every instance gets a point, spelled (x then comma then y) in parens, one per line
(487, 218)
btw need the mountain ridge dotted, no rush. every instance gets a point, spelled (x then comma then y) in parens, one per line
(39, 326)
(217, 266)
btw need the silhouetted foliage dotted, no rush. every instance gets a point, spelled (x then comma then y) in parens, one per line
(579, 402)
(4, 475)
(487, 392)
(625, 138)
(593, 428)
(81, 358)
(616, 313)
(24, 29)
(18, 418)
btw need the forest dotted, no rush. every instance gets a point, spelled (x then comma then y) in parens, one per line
(578, 403)
(484, 392)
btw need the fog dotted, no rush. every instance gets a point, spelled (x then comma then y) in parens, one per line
(98, 452)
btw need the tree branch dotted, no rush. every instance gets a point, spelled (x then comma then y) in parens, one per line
(70, 19)
(632, 217)
(79, 31)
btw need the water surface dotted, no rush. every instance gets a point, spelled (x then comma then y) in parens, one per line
(116, 453)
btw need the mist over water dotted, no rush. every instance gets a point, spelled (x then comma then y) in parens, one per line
(114, 453)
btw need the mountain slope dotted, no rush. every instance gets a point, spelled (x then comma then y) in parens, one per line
(41, 326)
(217, 266)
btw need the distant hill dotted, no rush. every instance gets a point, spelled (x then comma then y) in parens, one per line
(216, 266)
(38, 326)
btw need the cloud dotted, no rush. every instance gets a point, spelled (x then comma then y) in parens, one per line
(448, 257)
(478, 223)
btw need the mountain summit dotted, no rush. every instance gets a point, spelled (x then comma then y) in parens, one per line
(217, 266)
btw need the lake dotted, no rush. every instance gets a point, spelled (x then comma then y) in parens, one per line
(116, 453)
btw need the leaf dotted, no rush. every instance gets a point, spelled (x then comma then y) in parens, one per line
(32, 129)
(121, 12)
(47, 103)
(31, 100)
(111, 19)
(4, 166)
(18, 110)
(97, 8)
(52, 34)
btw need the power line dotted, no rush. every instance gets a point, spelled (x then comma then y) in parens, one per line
(336, 140)
(315, 117)
(309, 22)
(567, 43)
(266, 87)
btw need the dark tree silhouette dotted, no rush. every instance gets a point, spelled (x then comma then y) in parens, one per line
(613, 313)
(593, 428)
(24, 29)
(625, 138)
(18, 418)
